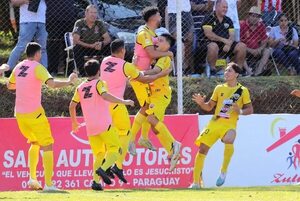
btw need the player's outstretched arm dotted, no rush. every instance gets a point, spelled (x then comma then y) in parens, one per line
(72, 110)
(58, 83)
(200, 100)
(113, 99)
(296, 93)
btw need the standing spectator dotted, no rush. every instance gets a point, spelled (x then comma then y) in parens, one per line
(284, 40)
(219, 31)
(60, 19)
(187, 24)
(32, 27)
(254, 35)
(270, 9)
(90, 37)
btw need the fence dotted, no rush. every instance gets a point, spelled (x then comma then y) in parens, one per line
(264, 56)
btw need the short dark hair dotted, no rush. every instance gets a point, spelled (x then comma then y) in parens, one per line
(32, 48)
(116, 46)
(149, 12)
(235, 67)
(169, 39)
(91, 67)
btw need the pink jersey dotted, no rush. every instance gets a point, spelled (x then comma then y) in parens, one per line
(95, 109)
(112, 72)
(143, 61)
(28, 87)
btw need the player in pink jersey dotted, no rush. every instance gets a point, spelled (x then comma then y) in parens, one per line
(144, 55)
(27, 79)
(115, 71)
(103, 137)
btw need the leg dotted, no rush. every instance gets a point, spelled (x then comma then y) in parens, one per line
(263, 61)
(26, 34)
(48, 164)
(33, 158)
(279, 56)
(212, 55)
(41, 38)
(79, 53)
(293, 59)
(228, 140)
(240, 56)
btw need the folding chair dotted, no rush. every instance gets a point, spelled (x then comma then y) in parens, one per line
(274, 62)
(70, 53)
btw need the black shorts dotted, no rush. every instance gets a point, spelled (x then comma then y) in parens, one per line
(221, 45)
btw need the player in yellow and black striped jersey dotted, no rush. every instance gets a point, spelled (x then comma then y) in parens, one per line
(231, 99)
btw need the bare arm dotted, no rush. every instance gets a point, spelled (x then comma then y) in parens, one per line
(200, 100)
(113, 99)
(212, 36)
(157, 73)
(72, 111)
(199, 7)
(77, 41)
(295, 43)
(19, 2)
(60, 83)
(11, 86)
(106, 40)
(246, 110)
(154, 54)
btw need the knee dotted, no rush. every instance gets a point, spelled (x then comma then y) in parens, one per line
(229, 137)
(212, 47)
(152, 120)
(203, 149)
(240, 47)
(47, 147)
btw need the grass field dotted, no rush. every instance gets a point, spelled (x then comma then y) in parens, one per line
(281, 193)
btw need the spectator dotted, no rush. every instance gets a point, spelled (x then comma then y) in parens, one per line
(187, 29)
(232, 13)
(32, 27)
(219, 31)
(270, 9)
(61, 16)
(284, 40)
(90, 36)
(254, 35)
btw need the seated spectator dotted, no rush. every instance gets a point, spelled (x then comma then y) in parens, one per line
(200, 8)
(219, 31)
(90, 37)
(270, 9)
(284, 40)
(254, 35)
(187, 29)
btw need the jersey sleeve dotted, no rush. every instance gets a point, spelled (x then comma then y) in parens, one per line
(76, 97)
(208, 22)
(231, 27)
(101, 87)
(42, 74)
(12, 77)
(77, 27)
(130, 70)
(163, 63)
(214, 96)
(144, 38)
(246, 96)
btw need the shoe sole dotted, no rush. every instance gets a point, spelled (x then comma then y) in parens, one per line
(148, 147)
(35, 187)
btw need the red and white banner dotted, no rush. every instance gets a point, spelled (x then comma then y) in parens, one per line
(73, 158)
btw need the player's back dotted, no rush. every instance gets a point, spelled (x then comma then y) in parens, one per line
(94, 108)
(112, 72)
(145, 38)
(28, 87)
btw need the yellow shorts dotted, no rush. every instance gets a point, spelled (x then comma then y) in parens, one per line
(212, 132)
(35, 127)
(159, 104)
(142, 92)
(120, 118)
(106, 141)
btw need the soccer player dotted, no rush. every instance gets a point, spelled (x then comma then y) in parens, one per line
(296, 93)
(160, 99)
(3, 68)
(27, 79)
(103, 137)
(144, 55)
(115, 71)
(231, 99)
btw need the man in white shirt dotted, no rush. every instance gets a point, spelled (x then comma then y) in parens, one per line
(32, 26)
(187, 24)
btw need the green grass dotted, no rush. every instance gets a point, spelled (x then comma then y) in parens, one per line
(282, 193)
(7, 44)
